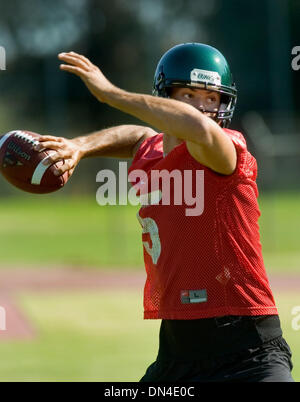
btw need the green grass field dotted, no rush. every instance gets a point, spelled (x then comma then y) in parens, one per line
(101, 335)
(75, 232)
(82, 336)
(98, 336)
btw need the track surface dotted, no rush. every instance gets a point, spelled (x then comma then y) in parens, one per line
(16, 280)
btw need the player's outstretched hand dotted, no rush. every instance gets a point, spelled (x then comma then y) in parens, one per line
(90, 74)
(67, 151)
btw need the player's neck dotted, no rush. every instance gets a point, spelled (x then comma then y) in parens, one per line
(169, 143)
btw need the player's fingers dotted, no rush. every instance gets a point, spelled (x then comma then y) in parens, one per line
(44, 138)
(71, 171)
(77, 56)
(48, 145)
(52, 158)
(67, 166)
(72, 69)
(75, 61)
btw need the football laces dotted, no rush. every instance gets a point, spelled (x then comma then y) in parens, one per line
(26, 137)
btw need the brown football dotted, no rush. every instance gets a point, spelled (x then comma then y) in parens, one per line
(23, 166)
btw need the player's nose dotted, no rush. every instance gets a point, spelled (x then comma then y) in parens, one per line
(199, 104)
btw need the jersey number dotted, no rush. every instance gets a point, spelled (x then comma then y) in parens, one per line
(150, 226)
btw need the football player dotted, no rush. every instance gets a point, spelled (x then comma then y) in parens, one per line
(206, 278)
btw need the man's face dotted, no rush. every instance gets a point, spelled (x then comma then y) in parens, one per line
(201, 99)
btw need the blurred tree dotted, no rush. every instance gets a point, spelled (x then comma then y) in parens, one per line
(126, 39)
(39, 28)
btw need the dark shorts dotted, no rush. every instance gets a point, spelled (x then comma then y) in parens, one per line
(269, 361)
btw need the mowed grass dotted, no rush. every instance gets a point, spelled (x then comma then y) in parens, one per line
(101, 335)
(286, 301)
(280, 231)
(70, 232)
(82, 336)
(74, 231)
(98, 336)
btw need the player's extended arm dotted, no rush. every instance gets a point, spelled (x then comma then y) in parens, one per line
(205, 140)
(118, 142)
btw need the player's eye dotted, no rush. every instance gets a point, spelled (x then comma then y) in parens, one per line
(212, 99)
(187, 95)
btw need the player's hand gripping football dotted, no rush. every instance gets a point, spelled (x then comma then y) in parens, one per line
(67, 150)
(90, 74)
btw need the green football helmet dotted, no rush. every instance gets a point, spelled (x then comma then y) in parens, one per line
(199, 66)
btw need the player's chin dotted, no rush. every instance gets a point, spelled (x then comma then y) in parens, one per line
(212, 115)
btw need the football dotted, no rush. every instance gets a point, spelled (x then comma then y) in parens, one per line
(24, 167)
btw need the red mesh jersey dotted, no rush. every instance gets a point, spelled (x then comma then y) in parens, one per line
(208, 265)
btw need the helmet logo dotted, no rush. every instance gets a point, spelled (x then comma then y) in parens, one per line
(209, 77)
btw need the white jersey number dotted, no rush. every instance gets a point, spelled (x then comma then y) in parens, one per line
(150, 226)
